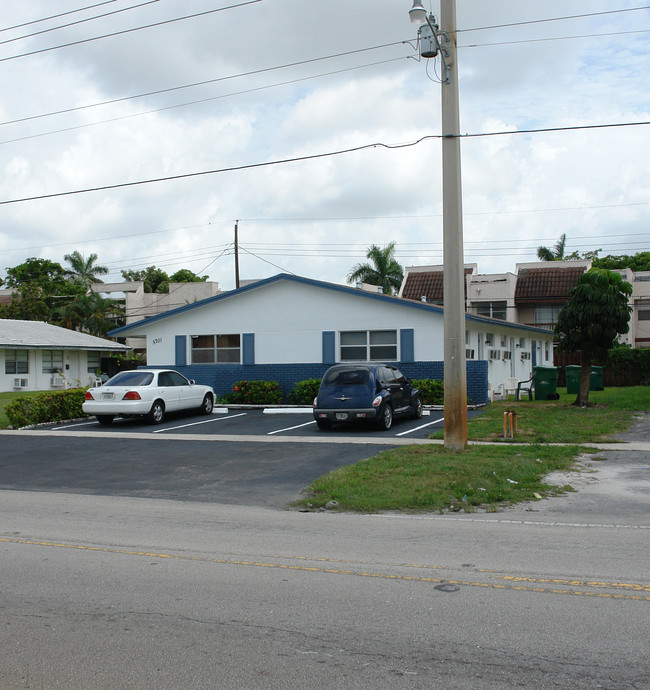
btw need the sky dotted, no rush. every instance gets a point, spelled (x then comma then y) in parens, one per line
(142, 134)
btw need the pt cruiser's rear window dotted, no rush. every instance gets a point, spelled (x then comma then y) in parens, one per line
(347, 377)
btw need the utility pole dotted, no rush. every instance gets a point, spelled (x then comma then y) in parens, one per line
(236, 254)
(434, 40)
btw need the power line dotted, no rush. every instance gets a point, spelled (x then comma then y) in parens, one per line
(555, 19)
(316, 156)
(127, 31)
(56, 16)
(205, 82)
(79, 21)
(556, 38)
(197, 102)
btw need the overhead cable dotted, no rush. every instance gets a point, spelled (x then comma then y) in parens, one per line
(127, 31)
(315, 156)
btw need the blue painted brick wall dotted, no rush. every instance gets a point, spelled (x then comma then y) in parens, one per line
(222, 377)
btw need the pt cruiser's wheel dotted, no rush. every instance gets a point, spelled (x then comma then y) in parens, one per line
(207, 404)
(157, 412)
(417, 407)
(385, 420)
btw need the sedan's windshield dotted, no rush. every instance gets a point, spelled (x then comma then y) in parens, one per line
(347, 377)
(131, 378)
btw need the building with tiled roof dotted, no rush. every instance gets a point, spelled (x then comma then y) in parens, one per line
(425, 283)
(533, 294)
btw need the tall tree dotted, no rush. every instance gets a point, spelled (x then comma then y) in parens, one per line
(84, 271)
(637, 262)
(597, 312)
(90, 313)
(48, 275)
(154, 279)
(384, 270)
(555, 254)
(184, 275)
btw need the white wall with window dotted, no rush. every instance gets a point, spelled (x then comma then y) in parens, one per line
(291, 320)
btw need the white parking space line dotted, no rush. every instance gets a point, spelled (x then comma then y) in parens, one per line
(287, 410)
(422, 426)
(289, 428)
(206, 421)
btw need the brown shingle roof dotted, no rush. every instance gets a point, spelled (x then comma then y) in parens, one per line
(426, 284)
(546, 284)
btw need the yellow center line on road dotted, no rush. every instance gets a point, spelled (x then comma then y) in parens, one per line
(356, 573)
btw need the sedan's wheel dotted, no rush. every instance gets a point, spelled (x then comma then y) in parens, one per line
(104, 418)
(417, 407)
(385, 417)
(324, 424)
(207, 404)
(157, 412)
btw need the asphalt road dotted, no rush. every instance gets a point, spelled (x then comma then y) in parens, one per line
(105, 592)
(123, 589)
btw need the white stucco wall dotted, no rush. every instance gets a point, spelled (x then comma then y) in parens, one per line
(74, 373)
(288, 319)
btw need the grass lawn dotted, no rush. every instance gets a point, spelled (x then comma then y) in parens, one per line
(431, 478)
(6, 399)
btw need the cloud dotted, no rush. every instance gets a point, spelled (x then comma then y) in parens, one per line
(317, 217)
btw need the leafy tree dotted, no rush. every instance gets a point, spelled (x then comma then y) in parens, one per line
(596, 313)
(30, 303)
(154, 279)
(184, 275)
(384, 270)
(48, 275)
(558, 253)
(637, 262)
(90, 313)
(84, 271)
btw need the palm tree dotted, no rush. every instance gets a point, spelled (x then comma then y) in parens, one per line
(555, 254)
(383, 271)
(82, 270)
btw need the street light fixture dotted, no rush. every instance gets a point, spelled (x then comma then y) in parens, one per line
(430, 35)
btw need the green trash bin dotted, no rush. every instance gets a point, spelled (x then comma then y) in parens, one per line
(596, 379)
(573, 378)
(545, 383)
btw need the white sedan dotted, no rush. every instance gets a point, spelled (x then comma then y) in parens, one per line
(146, 393)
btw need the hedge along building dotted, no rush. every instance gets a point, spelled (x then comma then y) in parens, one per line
(288, 329)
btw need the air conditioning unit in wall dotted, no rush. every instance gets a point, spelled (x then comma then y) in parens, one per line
(58, 382)
(21, 383)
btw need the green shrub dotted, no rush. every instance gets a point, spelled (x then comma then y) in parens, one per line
(255, 393)
(304, 392)
(431, 390)
(46, 407)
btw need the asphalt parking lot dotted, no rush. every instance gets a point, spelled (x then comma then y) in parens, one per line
(278, 422)
(250, 457)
